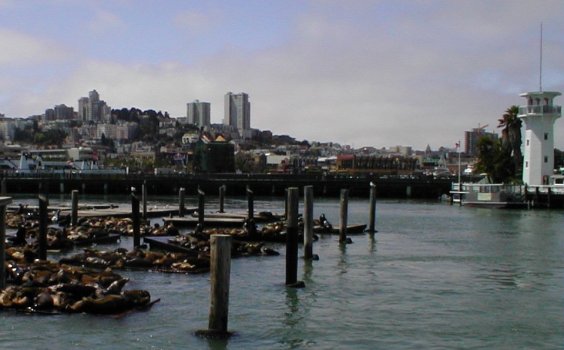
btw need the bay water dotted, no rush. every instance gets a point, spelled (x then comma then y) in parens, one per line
(434, 276)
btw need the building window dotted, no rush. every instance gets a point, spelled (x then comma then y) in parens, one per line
(546, 136)
(526, 164)
(546, 159)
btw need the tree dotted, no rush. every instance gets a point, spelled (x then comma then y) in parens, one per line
(511, 139)
(493, 160)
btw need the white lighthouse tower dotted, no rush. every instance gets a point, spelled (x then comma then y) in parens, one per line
(539, 116)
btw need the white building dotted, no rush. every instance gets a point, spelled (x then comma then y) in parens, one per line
(539, 116)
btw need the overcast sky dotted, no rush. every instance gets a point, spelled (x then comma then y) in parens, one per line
(363, 73)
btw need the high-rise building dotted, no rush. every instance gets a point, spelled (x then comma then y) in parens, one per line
(198, 113)
(237, 111)
(91, 108)
(472, 137)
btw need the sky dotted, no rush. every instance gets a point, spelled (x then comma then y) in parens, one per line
(357, 72)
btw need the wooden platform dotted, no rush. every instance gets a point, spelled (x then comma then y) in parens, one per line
(163, 243)
(190, 221)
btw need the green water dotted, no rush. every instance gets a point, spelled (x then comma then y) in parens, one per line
(434, 277)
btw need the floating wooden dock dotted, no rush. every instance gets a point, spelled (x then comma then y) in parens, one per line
(163, 243)
(189, 221)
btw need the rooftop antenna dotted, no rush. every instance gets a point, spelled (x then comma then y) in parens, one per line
(540, 63)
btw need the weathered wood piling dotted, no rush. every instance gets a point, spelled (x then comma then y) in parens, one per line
(372, 221)
(136, 220)
(201, 209)
(181, 207)
(4, 201)
(308, 222)
(144, 198)
(343, 216)
(42, 241)
(250, 204)
(220, 270)
(292, 239)
(74, 207)
(221, 198)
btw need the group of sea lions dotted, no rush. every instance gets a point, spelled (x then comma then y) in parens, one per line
(140, 259)
(73, 285)
(49, 287)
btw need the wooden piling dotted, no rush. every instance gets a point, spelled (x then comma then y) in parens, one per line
(292, 237)
(250, 204)
(181, 193)
(308, 222)
(201, 213)
(343, 215)
(74, 207)
(4, 201)
(144, 198)
(372, 222)
(43, 203)
(136, 220)
(221, 198)
(220, 270)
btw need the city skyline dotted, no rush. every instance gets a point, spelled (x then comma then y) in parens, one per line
(363, 73)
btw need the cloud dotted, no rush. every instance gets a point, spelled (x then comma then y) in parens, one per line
(105, 22)
(19, 49)
(195, 22)
(381, 74)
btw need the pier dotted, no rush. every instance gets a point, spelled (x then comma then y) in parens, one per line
(235, 184)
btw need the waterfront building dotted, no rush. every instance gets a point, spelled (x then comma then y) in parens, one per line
(237, 112)
(198, 113)
(539, 116)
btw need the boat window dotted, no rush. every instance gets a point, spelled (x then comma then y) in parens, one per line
(545, 159)
(546, 136)
(526, 164)
(528, 142)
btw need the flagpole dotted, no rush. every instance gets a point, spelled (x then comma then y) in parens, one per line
(459, 184)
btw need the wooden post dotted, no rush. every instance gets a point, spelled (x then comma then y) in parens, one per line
(343, 215)
(61, 187)
(3, 202)
(372, 224)
(220, 269)
(292, 237)
(136, 219)
(250, 204)
(144, 198)
(3, 189)
(286, 204)
(74, 207)
(201, 199)
(548, 195)
(308, 222)
(221, 198)
(43, 203)
(181, 193)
